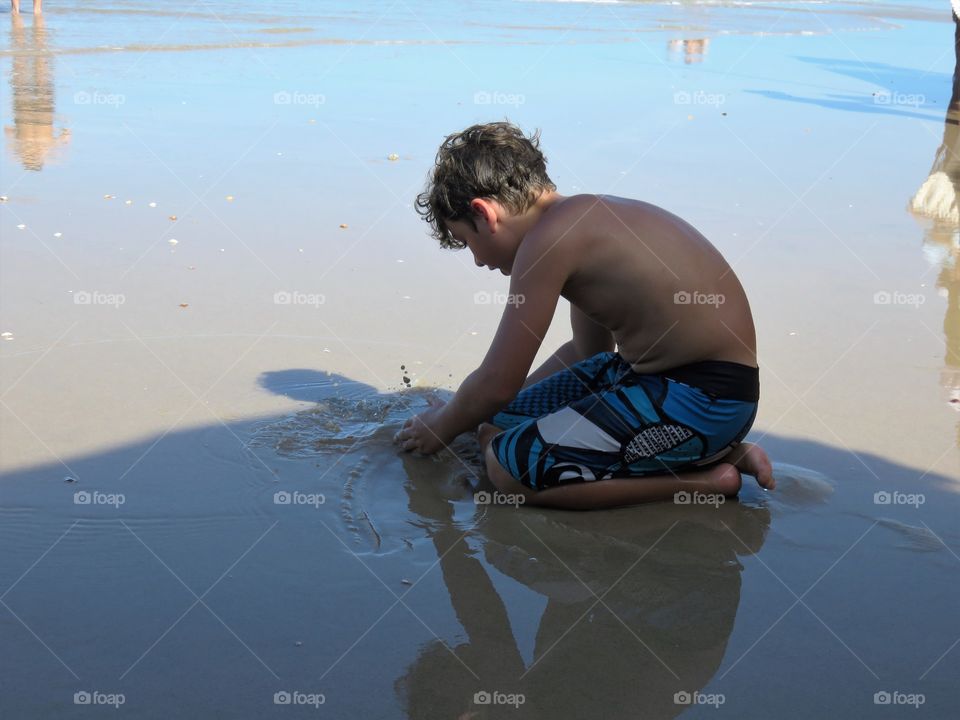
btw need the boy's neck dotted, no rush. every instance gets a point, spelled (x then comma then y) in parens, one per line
(544, 202)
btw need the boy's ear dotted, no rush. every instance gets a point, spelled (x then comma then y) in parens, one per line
(484, 211)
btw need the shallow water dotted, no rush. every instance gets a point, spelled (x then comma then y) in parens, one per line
(242, 396)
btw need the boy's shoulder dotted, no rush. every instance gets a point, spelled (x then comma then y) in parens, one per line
(574, 221)
(571, 212)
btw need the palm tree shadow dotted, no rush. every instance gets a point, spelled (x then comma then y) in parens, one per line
(903, 90)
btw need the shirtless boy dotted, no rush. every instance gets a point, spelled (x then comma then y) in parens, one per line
(658, 386)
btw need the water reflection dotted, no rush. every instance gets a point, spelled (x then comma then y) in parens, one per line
(692, 50)
(669, 580)
(937, 202)
(32, 137)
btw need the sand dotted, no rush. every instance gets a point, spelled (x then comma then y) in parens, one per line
(182, 385)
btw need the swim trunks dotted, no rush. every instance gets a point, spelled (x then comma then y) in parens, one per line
(600, 419)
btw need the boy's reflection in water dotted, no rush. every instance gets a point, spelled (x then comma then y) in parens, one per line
(937, 201)
(666, 630)
(32, 136)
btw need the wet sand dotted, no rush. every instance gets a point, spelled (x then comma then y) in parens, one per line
(182, 385)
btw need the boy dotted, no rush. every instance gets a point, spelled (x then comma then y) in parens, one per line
(593, 428)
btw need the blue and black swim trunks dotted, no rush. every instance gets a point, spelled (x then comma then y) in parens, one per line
(600, 419)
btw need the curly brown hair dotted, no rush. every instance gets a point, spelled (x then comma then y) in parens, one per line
(493, 160)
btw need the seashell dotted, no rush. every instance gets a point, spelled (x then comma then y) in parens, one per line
(153, 204)
(173, 241)
(6, 335)
(393, 157)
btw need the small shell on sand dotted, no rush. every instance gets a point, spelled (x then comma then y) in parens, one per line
(183, 305)
(6, 335)
(153, 204)
(172, 217)
(343, 225)
(229, 198)
(58, 234)
(21, 226)
(109, 197)
(393, 157)
(128, 202)
(173, 241)
(3, 198)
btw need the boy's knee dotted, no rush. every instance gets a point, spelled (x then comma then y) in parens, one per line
(503, 480)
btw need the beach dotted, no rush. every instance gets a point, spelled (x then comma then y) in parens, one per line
(217, 306)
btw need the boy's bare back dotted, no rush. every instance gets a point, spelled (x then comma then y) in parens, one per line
(664, 292)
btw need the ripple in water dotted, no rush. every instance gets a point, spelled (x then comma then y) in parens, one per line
(348, 418)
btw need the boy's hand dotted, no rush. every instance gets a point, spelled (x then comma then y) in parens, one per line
(424, 432)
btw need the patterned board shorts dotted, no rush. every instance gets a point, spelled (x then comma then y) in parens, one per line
(600, 419)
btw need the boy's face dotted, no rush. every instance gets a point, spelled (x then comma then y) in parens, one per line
(495, 251)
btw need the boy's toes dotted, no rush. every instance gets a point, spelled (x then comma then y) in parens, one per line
(755, 461)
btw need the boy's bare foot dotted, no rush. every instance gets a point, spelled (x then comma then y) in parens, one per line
(751, 459)
(724, 478)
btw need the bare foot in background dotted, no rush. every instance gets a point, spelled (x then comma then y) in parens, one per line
(751, 459)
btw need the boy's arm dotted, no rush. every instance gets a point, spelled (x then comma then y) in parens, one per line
(589, 338)
(539, 272)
